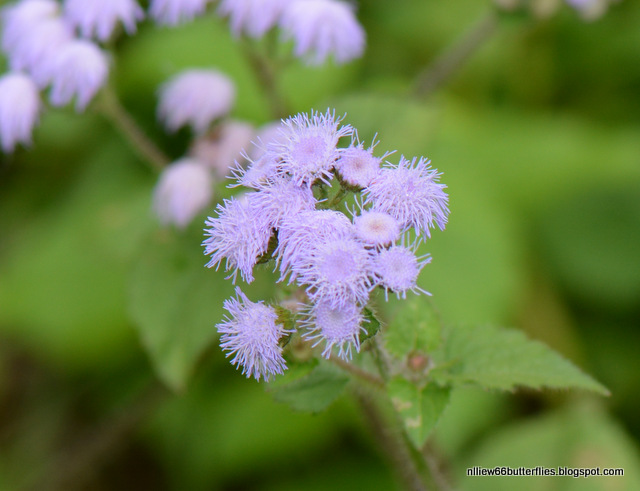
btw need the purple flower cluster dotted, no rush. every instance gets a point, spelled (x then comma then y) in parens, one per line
(291, 215)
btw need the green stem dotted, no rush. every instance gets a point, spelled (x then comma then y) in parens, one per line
(112, 109)
(392, 443)
(456, 55)
(265, 73)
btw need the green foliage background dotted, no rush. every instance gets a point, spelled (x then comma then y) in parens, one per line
(538, 138)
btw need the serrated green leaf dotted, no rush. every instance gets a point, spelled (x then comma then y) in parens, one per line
(419, 407)
(504, 359)
(175, 303)
(414, 328)
(314, 391)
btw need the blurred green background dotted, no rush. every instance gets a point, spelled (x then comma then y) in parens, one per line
(538, 139)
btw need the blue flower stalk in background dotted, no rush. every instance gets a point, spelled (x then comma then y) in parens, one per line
(293, 216)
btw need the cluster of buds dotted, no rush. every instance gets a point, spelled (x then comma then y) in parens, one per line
(293, 215)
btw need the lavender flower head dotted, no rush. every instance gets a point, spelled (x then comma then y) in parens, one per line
(357, 166)
(79, 70)
(251, 334)
(173, 12)
(19, 20)
(19, 109)
(310, 148)
(337, 273)
(398, 268)
(335, 327)
(185, 188)
(376, 228)
(196, 98)
(410, 193)
(99, 18)
(320, 28)
(32, 42)
(252, 17)
(239, 235)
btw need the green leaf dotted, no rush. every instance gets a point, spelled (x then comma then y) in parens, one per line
(419, 407)
(371, 325)
(504, 359)
(314, 391)
(175, 302)
(414, 328)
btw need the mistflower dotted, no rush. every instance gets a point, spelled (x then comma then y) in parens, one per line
(281, 198)
(80, 69)
(19, 109)
(376, 227)
(173, 12)
(185, 188)
(252, 17)
(337, 272)
(250, 332)
(299, 234)
(223, 147)
(335, 326)
(99, 18)
(309, 151)
(20, 19)
(397, 269)
(239, 235)
(35, 50)
(320, 28)
(196, 98)
(357, 166)
(410, 193)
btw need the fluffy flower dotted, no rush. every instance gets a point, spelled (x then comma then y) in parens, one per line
(335, 326)
(280, 199)
(410, 193)
(320, 28)
(196, 98)
(397, 269)
(99, 18)
(239, 235)
(298, 235)
(337, 272)
(357, 166)
(185, 188)
(250, 332)
(252, 17)
(80, 69)
(20, 18)
(19, 109)
(173, 12)
(37, 46)
(376, 227)
(222, 149)
(309, 150)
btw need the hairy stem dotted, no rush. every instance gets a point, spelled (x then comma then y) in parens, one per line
(265, 73)
(392, 443)
(444, 67)
(112, 109)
